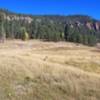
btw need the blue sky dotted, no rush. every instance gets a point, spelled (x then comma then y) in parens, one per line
(56, 7)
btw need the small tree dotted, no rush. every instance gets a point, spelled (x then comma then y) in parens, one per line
(91, 40)
(66, 32)
(2, 30)
(24, 34)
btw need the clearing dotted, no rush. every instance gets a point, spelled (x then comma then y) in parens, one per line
(36, 70)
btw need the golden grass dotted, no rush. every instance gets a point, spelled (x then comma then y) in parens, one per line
(36, 70)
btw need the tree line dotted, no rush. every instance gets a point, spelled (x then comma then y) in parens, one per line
(77, 35)
(47, 28)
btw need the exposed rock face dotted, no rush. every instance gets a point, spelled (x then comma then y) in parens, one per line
(97, 26)
(89, 25)
(8, 18)
(73, 21)
(71, 25)
(93, 26)
(14, 17)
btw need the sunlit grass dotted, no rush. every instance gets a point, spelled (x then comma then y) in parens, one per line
(35, 70)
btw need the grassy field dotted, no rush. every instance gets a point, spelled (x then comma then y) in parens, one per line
(36, 70)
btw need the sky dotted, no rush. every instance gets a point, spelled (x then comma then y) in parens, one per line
(53, 7)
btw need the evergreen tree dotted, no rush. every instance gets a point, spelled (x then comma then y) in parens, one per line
(2, 30)
(91, 40)
(66, 32)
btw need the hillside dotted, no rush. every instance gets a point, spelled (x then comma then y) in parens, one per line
(81, 29)
(36, 70)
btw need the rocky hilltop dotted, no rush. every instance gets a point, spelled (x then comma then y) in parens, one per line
(49, 27)
(78, 20)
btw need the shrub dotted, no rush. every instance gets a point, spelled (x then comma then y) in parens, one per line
(24, 34)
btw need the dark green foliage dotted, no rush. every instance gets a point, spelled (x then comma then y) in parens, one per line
(48, 28)
(91, 40)
(48, 33)
(2, 30)
(76, 34)
(66, 32)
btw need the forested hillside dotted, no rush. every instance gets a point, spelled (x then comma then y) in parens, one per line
(77, 28)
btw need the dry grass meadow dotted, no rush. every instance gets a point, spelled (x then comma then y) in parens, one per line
(36, 70)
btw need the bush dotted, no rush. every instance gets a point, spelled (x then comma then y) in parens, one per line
(24, 34)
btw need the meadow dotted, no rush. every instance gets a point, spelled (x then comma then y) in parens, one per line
(37, 70)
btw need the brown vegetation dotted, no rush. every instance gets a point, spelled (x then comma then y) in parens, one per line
(34, 70)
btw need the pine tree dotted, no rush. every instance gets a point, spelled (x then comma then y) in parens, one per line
(2, 30)
(66, 32)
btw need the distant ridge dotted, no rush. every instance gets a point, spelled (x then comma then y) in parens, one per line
(50, 27)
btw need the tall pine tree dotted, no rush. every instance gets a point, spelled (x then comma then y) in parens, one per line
(2, 30)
